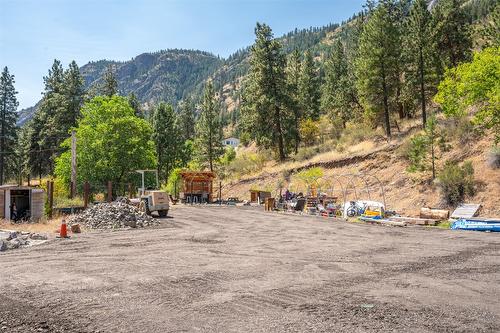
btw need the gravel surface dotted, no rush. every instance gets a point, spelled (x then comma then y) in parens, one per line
(235, 269)
(114, 215)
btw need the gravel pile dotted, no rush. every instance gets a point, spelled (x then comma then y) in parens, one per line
(113, 215)
(10, 240)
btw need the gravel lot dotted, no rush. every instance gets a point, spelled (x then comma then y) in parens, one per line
(235, 269)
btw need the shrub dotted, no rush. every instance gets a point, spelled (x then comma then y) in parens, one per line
(174, 182)
(245, 139)
(309, 130)
(494, 157)
(456, 182)
(309, 176)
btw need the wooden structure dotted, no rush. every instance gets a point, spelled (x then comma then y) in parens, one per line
(197, 186)
(29, 202)
(259, 196)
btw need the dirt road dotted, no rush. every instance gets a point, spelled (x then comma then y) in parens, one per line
(231, 269)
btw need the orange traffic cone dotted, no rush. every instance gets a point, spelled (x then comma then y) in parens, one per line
(64, 230)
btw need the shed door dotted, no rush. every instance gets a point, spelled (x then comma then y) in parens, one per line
(2, 204)
(37, 204)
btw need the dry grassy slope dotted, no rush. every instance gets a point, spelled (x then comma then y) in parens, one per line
(405, 192)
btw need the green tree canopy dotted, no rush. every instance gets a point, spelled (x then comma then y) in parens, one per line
(8, 117)
(377, 64)
(309, 88)
(476, 83)
(208, 141)
(264, 100)
(167, 140)
(111, 143)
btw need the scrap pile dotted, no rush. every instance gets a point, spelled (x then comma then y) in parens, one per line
(14, 239)
(113, 215)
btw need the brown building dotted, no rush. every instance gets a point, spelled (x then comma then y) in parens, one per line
(197, 186)
(21, 202)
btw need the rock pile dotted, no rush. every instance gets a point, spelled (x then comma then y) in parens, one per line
(14, 239)
(113, 215)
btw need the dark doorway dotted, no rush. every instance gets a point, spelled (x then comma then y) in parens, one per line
(21, 198)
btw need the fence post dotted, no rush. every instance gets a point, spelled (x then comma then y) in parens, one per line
(110, 191)
(86, 190)
(50, 198)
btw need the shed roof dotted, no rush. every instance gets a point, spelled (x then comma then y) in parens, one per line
(197, 174)
(17, 187)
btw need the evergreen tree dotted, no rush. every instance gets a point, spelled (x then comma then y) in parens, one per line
(451, 33)
(419, 55)
(339, 96)
(47, 134)
(187, 119)
(208, 142)
(135, 104)
(167, 139)
(309, 88)
(377, 64)
(8, 118)
(110, 85)
(73, 93)
(293, 71)
(264, 101)
(490, 30)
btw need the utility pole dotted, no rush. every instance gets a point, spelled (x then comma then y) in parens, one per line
(73, 163)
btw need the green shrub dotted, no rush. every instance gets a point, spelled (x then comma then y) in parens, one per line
(456, 182)
(417, 153)
(174, 182)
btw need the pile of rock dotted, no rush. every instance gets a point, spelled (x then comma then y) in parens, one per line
(113, 215)
(14, 239)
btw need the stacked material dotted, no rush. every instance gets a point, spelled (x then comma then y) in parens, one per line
(10, 240)
(115, 215)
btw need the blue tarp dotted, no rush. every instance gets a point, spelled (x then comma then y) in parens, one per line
(476, 225)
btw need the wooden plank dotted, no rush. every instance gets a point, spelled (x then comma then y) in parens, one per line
(466, 211)
(414, 220)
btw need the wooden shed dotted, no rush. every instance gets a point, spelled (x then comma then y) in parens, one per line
(29, 202)
(197, 186)
(259, 195)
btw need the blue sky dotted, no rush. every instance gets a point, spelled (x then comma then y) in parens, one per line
(34, 32)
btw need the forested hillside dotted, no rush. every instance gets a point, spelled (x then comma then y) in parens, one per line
(292, 97)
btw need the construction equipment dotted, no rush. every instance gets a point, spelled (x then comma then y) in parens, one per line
(153, 200)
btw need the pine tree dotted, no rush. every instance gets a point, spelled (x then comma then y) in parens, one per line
(419, 55)
(339, 97)
(8, 118)
(451, 33)
(377, 64)
(73, 93)
(264, 99)
(135, 104)
(309, 88)
(208, 142)
(293, 76)
(490, 30)
(187, 119)
(167, 139)
(109, 85)
(53, 103)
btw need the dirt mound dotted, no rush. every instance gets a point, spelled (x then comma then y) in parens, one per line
(113, 215)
